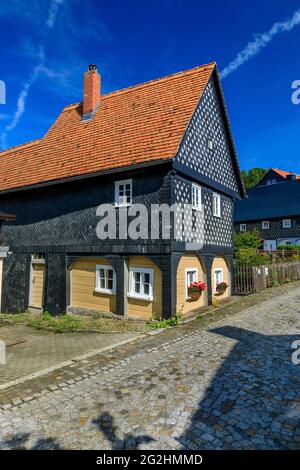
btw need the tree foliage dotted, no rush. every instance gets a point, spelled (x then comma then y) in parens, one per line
(247, 240)
(253, 176)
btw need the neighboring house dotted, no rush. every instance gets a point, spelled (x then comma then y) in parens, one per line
(274, 210)
(163, 142)
(274, 176)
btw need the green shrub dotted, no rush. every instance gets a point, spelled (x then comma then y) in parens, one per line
(250, 257)
(247, 240)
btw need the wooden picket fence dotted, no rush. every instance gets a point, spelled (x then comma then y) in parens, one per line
(250, 279)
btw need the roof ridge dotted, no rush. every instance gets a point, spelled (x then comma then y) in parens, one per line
(160, 79)
(148, 83)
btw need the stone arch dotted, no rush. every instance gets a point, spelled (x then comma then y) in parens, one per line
(190, 262)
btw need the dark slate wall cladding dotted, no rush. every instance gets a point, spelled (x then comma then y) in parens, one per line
(276, 230)
(63, 217)
(207, 123)
(15, 288)
(217, 231)
(55, 283)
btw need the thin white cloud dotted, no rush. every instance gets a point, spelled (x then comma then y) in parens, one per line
(54, 6)
(37, 71)
(260, 42)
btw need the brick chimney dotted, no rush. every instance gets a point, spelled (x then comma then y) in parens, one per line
(91, 92)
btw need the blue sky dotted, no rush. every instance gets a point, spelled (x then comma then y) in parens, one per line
(47, 45)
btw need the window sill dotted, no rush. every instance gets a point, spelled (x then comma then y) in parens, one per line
(123, 205)
(217, 216)
(198, 209)
(140, 297)
(104, 291)
(38, 261)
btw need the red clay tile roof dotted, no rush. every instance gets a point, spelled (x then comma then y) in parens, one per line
(139, 124)
(284, 174)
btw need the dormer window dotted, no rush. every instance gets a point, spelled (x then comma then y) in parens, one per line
(265, 225)
(123, 193)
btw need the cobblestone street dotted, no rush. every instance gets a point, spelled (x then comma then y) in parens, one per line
(232, 386)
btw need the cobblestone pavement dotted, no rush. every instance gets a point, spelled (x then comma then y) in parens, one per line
(232, 386)
(30, 351)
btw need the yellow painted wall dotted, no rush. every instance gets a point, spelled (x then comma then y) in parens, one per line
(37, 285)
(219, 262)
(187, 261)
(143, 308)
(83, 283)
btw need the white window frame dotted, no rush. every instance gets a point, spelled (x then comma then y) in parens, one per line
(118, 185)
(267, 223)
(198, 189)
(286, 223)
(188, 270)
(105, 267)
(38, 258)
(141, 295)
(218, 206)
(215, 277)
(243, 227)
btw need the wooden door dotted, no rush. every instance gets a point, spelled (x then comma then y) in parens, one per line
(37, 285)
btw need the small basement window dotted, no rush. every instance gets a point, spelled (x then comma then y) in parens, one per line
(243, 227)
(265, 225)
(286, 223)
(123, 193)
(105, 279)
(141, 283)
(216, 205)
(196, 197)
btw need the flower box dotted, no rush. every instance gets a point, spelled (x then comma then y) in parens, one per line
(221, 288)
(195, 290)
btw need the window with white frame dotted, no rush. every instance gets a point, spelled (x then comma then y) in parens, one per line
(265, 225)
(191, 275)
(219, 277)
(38, 258)
(141, 283)
(196, 197)
(216, 205)
(286, 223)
(243, 227)
(123, 193)
(105, 279)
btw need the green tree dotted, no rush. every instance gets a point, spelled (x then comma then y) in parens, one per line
(253, 176)
(247, 240)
